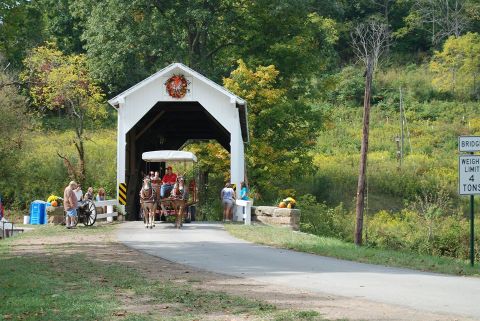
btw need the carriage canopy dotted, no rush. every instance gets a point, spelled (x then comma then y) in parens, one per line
(168, 156)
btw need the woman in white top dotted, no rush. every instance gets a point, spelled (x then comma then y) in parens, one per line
(78, 193)
(227, 195)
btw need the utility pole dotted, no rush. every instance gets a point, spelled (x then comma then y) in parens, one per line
(402, 135)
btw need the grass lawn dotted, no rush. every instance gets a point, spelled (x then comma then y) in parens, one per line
(60, 281)
(285, 238)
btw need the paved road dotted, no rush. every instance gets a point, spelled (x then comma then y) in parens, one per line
(210, 247)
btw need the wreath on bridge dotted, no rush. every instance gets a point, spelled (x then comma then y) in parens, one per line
(177, 86)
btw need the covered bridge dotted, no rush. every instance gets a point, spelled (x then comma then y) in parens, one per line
(169, 108)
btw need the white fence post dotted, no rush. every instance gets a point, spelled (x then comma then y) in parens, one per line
(110, 213)
(244, 211)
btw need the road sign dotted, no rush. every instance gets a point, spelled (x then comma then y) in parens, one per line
(469, 175)
(469, 143)
(122, 194)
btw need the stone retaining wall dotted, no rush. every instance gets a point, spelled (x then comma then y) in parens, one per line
(272, 215)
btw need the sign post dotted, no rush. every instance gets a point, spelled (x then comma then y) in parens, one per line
(472, 230)
(469, 179)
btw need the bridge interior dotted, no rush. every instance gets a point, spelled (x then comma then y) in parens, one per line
(167, 126)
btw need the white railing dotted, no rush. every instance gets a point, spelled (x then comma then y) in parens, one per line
(110, 213)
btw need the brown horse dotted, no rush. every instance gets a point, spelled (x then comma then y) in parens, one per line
(177, 200)
(148, 203)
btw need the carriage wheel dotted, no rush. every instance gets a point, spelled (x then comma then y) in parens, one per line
(90, 213)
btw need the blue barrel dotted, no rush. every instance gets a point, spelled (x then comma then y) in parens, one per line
(38, 212)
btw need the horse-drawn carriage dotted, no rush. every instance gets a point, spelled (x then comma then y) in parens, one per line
(182, 196)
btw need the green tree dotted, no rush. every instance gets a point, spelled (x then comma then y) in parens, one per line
(57, 81)
(61, 26)
(21, 28)
(440, 19)
(294, 36)
(124, 46)
(282, 131)
(457, 66)
(14, 122)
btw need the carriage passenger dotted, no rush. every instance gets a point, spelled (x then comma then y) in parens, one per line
(168, 181)
(156, 183)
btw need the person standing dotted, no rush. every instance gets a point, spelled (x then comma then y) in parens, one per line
(227, 195)
(79, 193)
(244, 191)
(70, 204)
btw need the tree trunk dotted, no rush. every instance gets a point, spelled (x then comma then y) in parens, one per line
(363, 155)
(80, 148)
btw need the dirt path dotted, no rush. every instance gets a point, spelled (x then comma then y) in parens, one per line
(105, 248)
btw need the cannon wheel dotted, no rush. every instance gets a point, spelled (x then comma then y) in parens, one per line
(90, 213)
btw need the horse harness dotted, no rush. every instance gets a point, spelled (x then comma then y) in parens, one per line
(147, 198)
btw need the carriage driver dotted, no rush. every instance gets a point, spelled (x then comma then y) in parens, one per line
(168, 181)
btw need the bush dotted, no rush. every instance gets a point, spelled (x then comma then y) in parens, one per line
(424, 228)
(412, 231)
(416, 81)
(350, 87)
(393, 231)
(319, 219)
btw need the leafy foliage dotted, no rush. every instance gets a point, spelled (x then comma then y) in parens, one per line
(436, 233)
(21, 28)
(319, 219)
(14, 125)
(63, 82)
(282, 131)
(457, 66)
(42, 173)
(59, 81)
